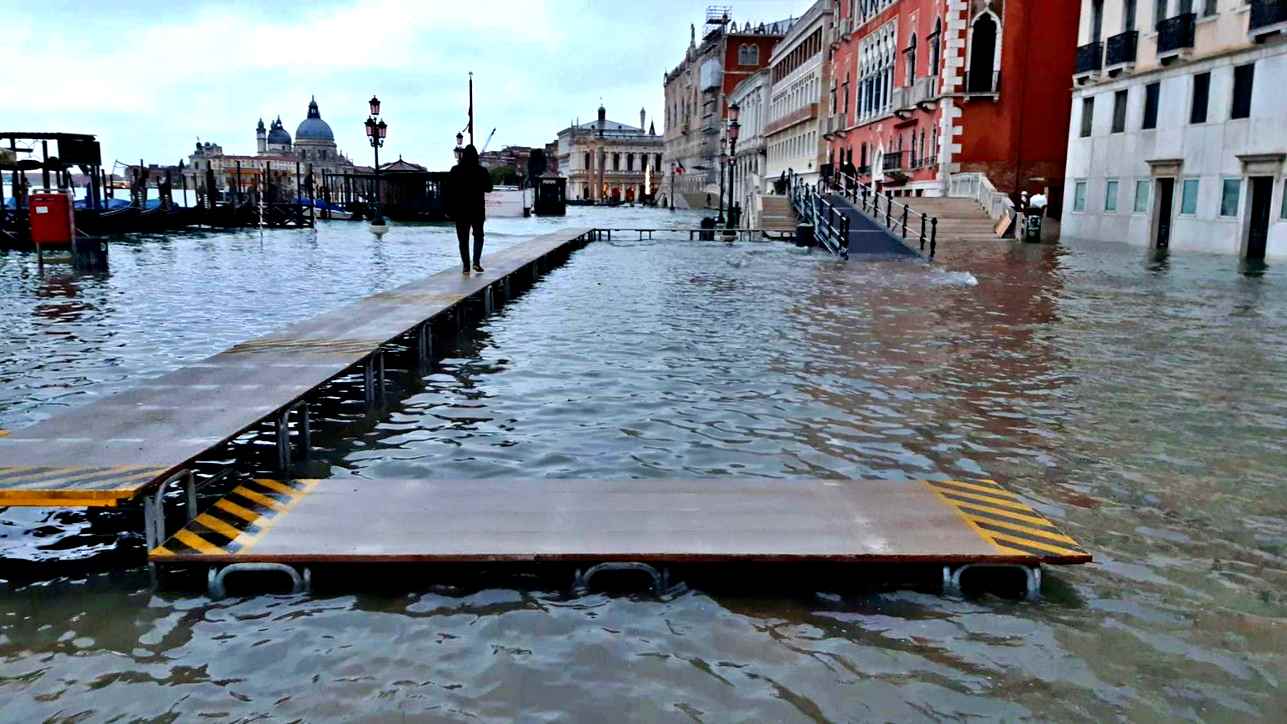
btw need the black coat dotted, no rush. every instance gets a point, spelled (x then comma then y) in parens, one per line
(467, 185)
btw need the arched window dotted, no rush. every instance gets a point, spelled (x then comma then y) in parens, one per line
(748, 55)
(984, 48)
(911, 58)
(935, 49)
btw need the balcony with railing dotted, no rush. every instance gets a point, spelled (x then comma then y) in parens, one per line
(1090, 59)
(1175, 36)
(1121, 49)
(983, 84)
(893, 161)
(833, 125)
(925, 89)
(1267, 17)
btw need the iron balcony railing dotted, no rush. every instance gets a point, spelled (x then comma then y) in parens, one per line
(893, 161)
(1175, 34)
(1121, 49)
(1266, 13)
(1090, 58)
(983, 83)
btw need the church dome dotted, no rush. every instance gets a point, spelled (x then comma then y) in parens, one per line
(314, 128)
(277, 135)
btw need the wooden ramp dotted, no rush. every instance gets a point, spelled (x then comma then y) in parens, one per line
(113, 449)
(644, 522)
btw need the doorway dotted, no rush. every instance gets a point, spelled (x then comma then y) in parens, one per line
(1262, 191)
(1165, 212)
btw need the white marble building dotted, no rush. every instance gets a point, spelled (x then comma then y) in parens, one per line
(1179, 126)
(799, 71)
(750, 176)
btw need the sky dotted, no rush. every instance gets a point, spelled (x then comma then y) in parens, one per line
(150, 78)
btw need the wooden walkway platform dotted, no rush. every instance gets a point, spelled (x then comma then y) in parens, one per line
(112, 450)
(643, 522)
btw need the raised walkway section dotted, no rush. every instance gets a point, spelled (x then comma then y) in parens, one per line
(114, 449)
(867, 235)
(643, 522)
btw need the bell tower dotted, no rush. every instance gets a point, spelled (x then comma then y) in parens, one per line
(261, 137)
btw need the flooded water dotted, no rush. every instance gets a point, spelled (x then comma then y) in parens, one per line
(1139, 403)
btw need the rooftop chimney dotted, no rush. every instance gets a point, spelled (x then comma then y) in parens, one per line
(642, 115)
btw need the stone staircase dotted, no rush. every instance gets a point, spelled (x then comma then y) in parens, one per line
(776, 215)
(958, 219)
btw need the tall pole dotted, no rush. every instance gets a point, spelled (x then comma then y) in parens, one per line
(720, 220)
(377, 219)
(471, 109)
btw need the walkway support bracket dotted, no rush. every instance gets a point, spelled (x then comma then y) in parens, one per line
(661, 584)
(300, 583)
(1031, 575)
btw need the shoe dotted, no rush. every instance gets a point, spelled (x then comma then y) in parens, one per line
(478, 267)
(465, 271)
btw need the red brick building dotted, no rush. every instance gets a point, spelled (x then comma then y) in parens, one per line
(925, 90)
(696, 94)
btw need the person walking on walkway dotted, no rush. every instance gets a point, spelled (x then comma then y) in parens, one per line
(467, 187)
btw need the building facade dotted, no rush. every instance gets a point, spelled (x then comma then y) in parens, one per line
(276, 153)
(799, 72)
(750, 161)
(1179, 126)
(610, 162)
(696, 93)
(923, 91)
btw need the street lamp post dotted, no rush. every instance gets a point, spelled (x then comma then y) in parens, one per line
(723, 161)
(460, 149)
(375, 133)
(734, 129)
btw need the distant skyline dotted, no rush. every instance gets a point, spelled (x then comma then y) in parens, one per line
(149, 78)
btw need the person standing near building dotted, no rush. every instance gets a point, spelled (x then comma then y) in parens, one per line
(467, 188)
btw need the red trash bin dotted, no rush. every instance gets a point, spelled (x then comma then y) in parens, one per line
(53, 220)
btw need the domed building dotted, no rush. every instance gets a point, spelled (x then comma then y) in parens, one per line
(314, 140)
(313, 147)
(276, 141)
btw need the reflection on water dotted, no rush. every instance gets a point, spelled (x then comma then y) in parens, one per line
(1138, 401)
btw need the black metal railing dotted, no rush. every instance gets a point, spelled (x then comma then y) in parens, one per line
(1090, 58)
(982, 83)
(1174, 34)
(1267, 12)
(830, 226)
(864, 170)
(1121, 48)
(893, 161)
(899, 218)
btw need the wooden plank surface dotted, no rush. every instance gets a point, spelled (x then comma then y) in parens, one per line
(354, 520)
(103, 452)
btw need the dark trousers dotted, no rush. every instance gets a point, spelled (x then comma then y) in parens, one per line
(462, 234)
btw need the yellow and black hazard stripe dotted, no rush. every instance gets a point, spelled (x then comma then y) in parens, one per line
(74, 486)
(237, 521)
(999, 517)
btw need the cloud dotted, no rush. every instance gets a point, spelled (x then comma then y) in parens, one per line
(150, 77)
